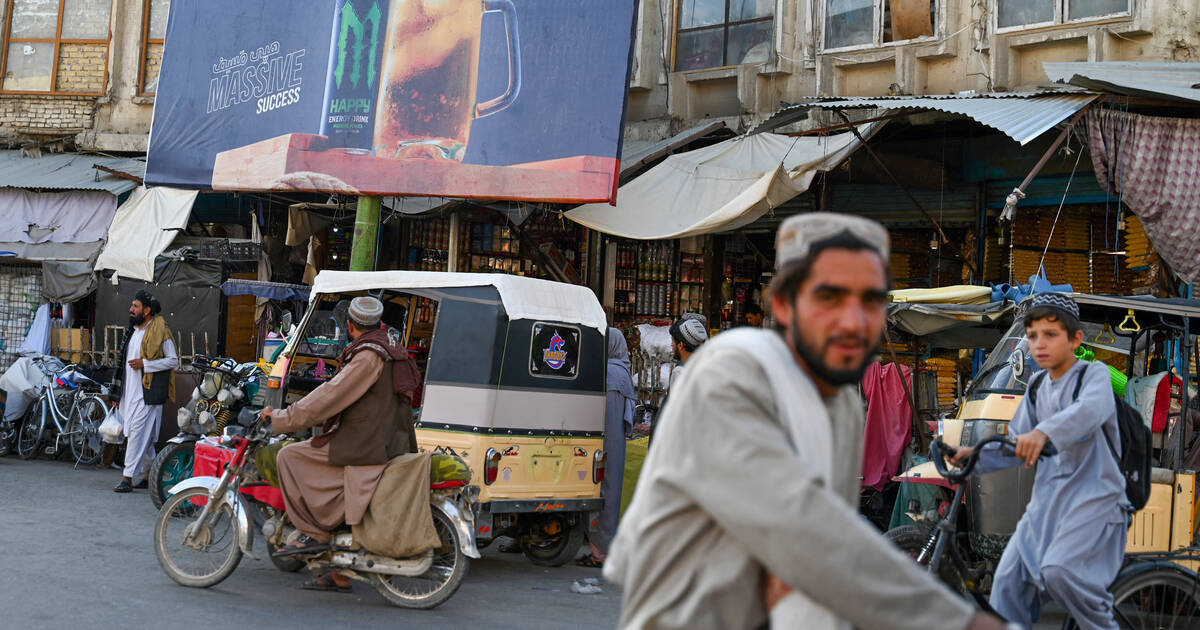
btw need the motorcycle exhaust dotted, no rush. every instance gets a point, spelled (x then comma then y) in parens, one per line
(367, 562)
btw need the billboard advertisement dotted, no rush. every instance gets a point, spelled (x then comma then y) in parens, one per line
(486, 99)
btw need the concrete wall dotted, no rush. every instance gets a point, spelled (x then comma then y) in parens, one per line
(966, 53)
(118, 119)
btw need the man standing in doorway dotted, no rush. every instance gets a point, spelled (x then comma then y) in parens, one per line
(144, 385)
(754, 315)
(746, 510)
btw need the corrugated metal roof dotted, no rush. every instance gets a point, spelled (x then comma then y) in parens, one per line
(638, 152)
(1168, 80)
(68, 171)
(1021, 116)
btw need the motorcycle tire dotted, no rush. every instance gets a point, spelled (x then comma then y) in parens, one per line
(172, 465)
(557, 551)
(911, 539)
(29, 436)
(178, 515)
(438, 584)
(287, 564)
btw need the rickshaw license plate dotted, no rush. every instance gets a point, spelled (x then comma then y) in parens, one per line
(547, 467)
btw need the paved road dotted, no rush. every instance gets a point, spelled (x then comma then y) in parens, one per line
(75, 555)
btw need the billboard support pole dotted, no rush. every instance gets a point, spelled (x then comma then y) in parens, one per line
(452, 256)
(366, 233)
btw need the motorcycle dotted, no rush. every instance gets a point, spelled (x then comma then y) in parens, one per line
(224, 389)
(204, 528)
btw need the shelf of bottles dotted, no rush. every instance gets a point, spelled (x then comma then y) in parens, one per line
(741, 271)
(497, 249)
(625, 289)
(655, 273)
(429, 245)
(339, 248)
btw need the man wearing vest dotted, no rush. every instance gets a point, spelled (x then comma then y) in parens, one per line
(366, 413)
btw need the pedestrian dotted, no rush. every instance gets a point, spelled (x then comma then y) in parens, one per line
(754, 315)
(144, 385)
(1070, 543)
(618, 422)
(366, 410)
(687, 335)
(745, 511)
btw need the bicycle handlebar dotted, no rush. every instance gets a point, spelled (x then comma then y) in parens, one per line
(960, 475)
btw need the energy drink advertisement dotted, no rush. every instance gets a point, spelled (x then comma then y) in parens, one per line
(356, 49)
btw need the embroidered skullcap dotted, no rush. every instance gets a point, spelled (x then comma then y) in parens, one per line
(1056, 300)
(696, 316)
(689, 332)
(366, 311)
(799, 233)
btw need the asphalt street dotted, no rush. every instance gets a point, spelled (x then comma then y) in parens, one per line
(73, 554)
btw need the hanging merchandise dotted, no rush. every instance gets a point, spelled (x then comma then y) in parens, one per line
(20, 293)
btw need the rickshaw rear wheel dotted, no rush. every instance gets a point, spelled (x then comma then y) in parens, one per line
(552, 550)
(172, 465)
(1166, 596)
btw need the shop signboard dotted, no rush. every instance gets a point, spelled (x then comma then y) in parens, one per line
(490, 99)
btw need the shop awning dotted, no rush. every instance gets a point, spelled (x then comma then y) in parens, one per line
(718, 188)
(1021, 116)
(268, 290)
(143, 227)
(635, 154)
(1174, 81)
(70, 171)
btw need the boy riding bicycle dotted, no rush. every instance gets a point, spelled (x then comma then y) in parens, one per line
(1070, 543)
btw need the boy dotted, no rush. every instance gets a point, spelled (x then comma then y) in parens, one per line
(1070, 543)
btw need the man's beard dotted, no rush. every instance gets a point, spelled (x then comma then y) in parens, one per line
(812, 358)
(136, 320)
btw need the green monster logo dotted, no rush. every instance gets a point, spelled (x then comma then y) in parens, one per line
(352, 23)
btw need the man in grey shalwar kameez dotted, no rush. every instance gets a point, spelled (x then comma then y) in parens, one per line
(745, 511)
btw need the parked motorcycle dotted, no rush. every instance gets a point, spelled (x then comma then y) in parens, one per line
(206, 525)
(225, 388)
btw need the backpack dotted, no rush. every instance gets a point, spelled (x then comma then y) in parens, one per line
(1135, 456)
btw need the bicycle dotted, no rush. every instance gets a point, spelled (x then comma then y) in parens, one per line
(1152, 590)
(71, 412)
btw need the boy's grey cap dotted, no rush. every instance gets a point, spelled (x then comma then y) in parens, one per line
(366, 311)
(1056, 300)
(799, 233)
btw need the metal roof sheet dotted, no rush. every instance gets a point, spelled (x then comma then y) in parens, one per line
(1021, 116)
(1169, 80)
(638, 152)
(68, 171)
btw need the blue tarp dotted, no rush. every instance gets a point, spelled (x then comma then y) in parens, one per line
(269, 290)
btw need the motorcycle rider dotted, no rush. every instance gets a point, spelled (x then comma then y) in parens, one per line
(366, 412)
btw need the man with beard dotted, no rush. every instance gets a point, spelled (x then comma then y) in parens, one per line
(745, 512)
(146, 382)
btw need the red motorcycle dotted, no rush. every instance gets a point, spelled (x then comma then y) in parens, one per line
(205, 526)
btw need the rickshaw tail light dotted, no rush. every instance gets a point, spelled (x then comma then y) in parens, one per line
(491, 466)
(274, 382)
(599, 461)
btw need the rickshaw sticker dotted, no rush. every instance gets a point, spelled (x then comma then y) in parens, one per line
(554, 356)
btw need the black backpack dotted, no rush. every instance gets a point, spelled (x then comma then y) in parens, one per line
(1135, 456)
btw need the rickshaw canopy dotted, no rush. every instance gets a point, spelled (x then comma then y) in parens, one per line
(522, 298)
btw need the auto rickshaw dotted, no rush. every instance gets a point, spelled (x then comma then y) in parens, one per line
(514, 372)
(1134, 336)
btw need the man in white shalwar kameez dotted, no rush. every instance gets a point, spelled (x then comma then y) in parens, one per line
(146, 384)
(745, 513)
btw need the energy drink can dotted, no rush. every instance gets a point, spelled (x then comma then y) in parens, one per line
(356, 49)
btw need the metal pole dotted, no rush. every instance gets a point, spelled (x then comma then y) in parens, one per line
(366, 232)
(1183, 403)
(452, 244)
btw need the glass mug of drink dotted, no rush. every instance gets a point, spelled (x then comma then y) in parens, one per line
(427, 94)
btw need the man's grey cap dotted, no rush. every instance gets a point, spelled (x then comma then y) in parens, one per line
(366, 311)
(1056, 300)
(696, 316)
(799, 233)
(693, 331)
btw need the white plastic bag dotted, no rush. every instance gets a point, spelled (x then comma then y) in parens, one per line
(113, 427)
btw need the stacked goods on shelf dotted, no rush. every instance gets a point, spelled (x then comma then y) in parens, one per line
(910, 258)
(1139, 252)
(946, 369)
(429, 245)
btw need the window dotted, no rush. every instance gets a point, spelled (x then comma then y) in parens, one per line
(863, 23)
(154, 33)
(1021, 13)
(56, 46)
(714, 33)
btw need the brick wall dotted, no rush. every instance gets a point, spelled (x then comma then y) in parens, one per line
(81, 68)
(49, 115)
(154, 54)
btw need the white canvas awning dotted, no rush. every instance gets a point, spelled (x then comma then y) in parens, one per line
(718, 188)
(143, 227)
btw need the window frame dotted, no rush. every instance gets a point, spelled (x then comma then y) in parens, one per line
(6, 40)
(147, 42)
(1061, 11)
(877, 29)
(724, 26)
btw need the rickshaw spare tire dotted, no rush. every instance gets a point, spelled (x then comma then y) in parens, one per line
(553, 551)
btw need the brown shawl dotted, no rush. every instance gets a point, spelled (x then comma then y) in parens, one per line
(387, 344)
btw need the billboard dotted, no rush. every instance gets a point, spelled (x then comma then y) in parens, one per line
(487, 99)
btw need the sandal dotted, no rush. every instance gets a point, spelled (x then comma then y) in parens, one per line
(123, 487)
(303, 544)
(325, 583)
(590, 561)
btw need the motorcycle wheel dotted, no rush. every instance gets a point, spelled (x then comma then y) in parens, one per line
(437, 584)
(287, 564)
(555, 550)
(29, 438)
(171, 466)
(911, 539)
(211, 556)
(83, 428)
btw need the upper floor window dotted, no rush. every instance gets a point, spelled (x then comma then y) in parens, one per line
(154, 33)
(55, 46)
(714, 33)
(1010, 14)
(865, 23)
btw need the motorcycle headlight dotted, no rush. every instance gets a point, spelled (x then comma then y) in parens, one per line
(225, 397)
(208, 422)
(210, 385)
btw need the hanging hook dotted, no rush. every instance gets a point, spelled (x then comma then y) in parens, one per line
(1106, 335)
(1135, 327)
